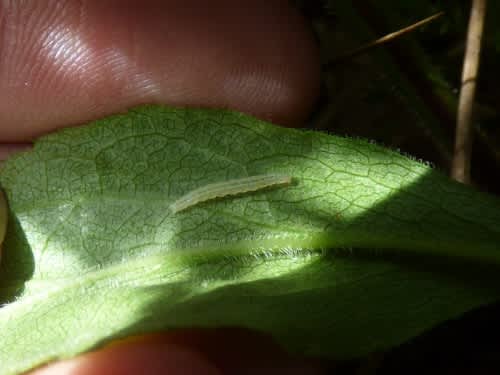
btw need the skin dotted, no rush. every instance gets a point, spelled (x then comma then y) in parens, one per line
(63, 63)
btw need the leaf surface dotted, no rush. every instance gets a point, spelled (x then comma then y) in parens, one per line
(365, 249)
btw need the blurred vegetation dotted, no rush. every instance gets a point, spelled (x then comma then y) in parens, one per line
(404, 95)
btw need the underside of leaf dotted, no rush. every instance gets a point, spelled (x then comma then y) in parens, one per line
(364, 249)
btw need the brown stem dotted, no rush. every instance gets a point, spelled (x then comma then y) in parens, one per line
(460, 169)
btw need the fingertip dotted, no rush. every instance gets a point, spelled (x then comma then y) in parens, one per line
(134, 358)
(189, 351)
(67, 63)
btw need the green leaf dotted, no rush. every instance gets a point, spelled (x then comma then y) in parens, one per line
(94, 253)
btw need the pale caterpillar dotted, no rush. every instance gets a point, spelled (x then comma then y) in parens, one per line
(230, 187)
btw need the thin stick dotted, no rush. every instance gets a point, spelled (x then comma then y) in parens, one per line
(460, 169)
(385, 39)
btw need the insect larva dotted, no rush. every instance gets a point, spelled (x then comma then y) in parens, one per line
(230, 187)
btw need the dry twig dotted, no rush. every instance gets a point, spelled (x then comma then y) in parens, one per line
(460, 169)
(385, 39)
